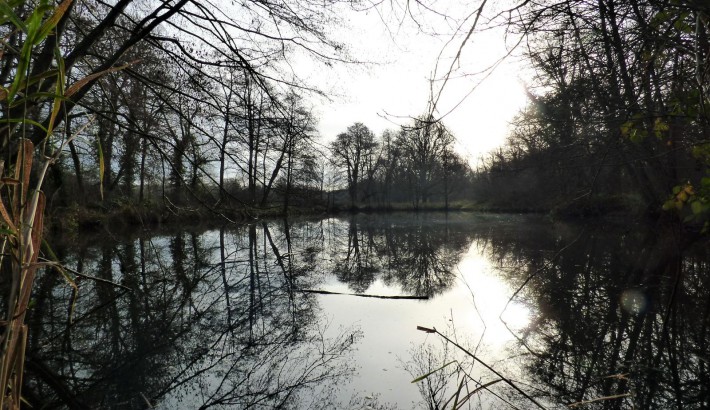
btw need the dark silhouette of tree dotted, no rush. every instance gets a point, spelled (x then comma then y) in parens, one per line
(619, 118)
(424, 146)
(416, 165)
(147, 87)
(352, 150)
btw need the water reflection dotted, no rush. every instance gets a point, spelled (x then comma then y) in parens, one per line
(619, 319)
(220, 318)
(417, 255)
(197, 321)
(623, 317)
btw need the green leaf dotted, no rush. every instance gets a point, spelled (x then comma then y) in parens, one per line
(41, 76)
(22, 120)
(52, 22)
(626, 128)
(697, 207)
(35, 96)
(7, 14)
(660, 18)
(7, 232)
(682, 25)
(23, 63)
(702, 152)
(33, 29)
(659, 127)
(637, 135)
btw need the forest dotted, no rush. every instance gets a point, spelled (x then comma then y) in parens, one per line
(179, 110)
(187, 108)
(618, 114)
(183, 106)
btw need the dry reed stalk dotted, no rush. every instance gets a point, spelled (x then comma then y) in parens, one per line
(22, 241)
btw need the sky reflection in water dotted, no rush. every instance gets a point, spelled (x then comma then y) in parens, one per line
(220, 318)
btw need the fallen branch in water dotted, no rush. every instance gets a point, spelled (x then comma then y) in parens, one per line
(362, 295)
(581, 403)
(491, 369)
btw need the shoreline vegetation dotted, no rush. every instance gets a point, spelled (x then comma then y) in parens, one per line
(168, 113)
(75, 219)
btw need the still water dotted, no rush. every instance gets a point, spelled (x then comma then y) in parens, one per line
(308, 314)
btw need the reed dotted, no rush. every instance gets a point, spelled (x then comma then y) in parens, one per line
(459, 397)
(22, 218)
(22, 238)
(22, 204)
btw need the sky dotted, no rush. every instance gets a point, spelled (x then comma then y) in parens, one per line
(395, 86)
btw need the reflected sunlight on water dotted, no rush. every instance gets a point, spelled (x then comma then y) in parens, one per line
(227, 318)
(489, 296)
(470, 310)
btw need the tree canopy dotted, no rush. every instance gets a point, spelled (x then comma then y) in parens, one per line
(618, 106)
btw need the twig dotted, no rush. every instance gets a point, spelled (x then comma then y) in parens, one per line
(81, 275)
(616, 396)
(505, 379)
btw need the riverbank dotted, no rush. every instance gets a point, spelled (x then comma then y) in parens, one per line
(124, 216)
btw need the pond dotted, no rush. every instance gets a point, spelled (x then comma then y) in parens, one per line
(309, 313)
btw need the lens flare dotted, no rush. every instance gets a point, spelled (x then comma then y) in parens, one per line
(634, 301)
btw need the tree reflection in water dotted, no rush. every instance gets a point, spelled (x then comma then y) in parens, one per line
(417, 255)
(207, 320)
(624, 315)
(622, 321)
(220, 318)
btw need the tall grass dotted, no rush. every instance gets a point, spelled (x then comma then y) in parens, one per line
(21, 203)
(22, 219)
(22, 233)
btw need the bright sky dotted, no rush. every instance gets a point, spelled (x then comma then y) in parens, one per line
(385, 94)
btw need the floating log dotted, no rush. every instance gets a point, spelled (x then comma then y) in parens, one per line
(362, 295)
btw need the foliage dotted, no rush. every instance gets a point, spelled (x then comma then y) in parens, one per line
(22, 220)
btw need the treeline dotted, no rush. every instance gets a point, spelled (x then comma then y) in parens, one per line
(222, 143)
(177, 125)
(618, 113)
(177, 104)
(413, 167)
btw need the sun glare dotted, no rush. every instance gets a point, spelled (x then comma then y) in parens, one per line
(493, 314)
(476, 105)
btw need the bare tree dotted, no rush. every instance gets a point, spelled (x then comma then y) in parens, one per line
(425, 145)
(352, 150)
